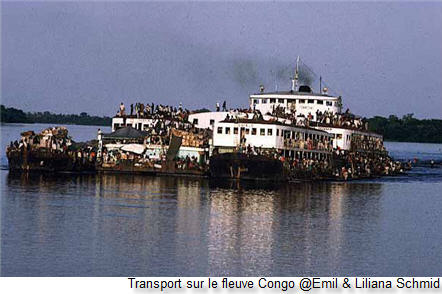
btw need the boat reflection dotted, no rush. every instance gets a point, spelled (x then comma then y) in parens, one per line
(195, 226)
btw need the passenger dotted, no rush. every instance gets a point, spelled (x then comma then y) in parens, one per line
(122, 109)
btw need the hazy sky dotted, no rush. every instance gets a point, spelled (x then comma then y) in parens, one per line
(383, 58)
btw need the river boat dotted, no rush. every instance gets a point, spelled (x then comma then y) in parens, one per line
(282, 136)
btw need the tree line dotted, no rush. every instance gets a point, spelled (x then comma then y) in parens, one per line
(407, 128)
(14, 115)
(393, 128)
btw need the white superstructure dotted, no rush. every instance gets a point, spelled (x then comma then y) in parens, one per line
(230, 135)
(303, 102)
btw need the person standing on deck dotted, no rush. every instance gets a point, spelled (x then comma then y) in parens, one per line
(122, 109)
(217, 106)
(224, 106)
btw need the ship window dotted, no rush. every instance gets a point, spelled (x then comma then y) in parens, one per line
(253, 131)
(336, 103)
(320, 102)
(328, 103)
(310, 101)
(272, 100)
(256, 101)
(301, 101)
(269, 132)
(212, 122)
(281, 100)
(277, 132)
(235, 131)
(195, 121)
(220, 130)
(286, 134)
(262, 132)
(227, 130)
(339, 136)
(264, 101)
(247, 131)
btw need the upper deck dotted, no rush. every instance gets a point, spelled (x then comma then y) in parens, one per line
(303, 102)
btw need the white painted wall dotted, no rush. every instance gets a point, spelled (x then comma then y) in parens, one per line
(204, 118)
(275, 140)
(342, 137)
(134, 122)
(294, 102)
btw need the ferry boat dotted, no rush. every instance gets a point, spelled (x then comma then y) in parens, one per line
(287, 126)
(285, 135)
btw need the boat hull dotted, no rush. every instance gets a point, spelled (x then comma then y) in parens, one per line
(246, 167)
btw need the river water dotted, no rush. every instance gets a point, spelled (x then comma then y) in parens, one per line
(128, 225)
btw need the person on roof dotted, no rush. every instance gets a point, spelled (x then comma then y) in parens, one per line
(122, 109)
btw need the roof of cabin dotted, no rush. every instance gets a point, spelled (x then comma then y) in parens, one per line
(293, 93)
(126, 133)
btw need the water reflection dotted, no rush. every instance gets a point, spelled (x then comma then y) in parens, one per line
(140, 225)
(267, 230)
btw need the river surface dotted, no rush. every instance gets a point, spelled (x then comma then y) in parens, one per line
(127, 225)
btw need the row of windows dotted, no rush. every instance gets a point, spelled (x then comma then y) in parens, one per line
(300, 101)
(262, 132)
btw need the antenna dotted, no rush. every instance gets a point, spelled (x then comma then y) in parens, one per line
(320, 84)
(297, 73)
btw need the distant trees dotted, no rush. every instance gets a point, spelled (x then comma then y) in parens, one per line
(13, 115)
(407, 128)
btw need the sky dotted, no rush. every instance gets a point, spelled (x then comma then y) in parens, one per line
(383, 58)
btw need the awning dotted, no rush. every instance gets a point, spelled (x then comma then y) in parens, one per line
(134, 148)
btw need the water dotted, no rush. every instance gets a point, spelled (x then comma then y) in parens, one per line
(421, 151)
(127, 225)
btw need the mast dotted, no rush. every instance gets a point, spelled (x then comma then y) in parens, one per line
(296, 77)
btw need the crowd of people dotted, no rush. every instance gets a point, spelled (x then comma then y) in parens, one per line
(163, 120)
(340, 164)
(345, 119)
(163, 123)
(141, 110)
(150, 161)
(308, 144)
(326, 118)
(54, 139)
(52, 143)
(367, 143)
(362, 164)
